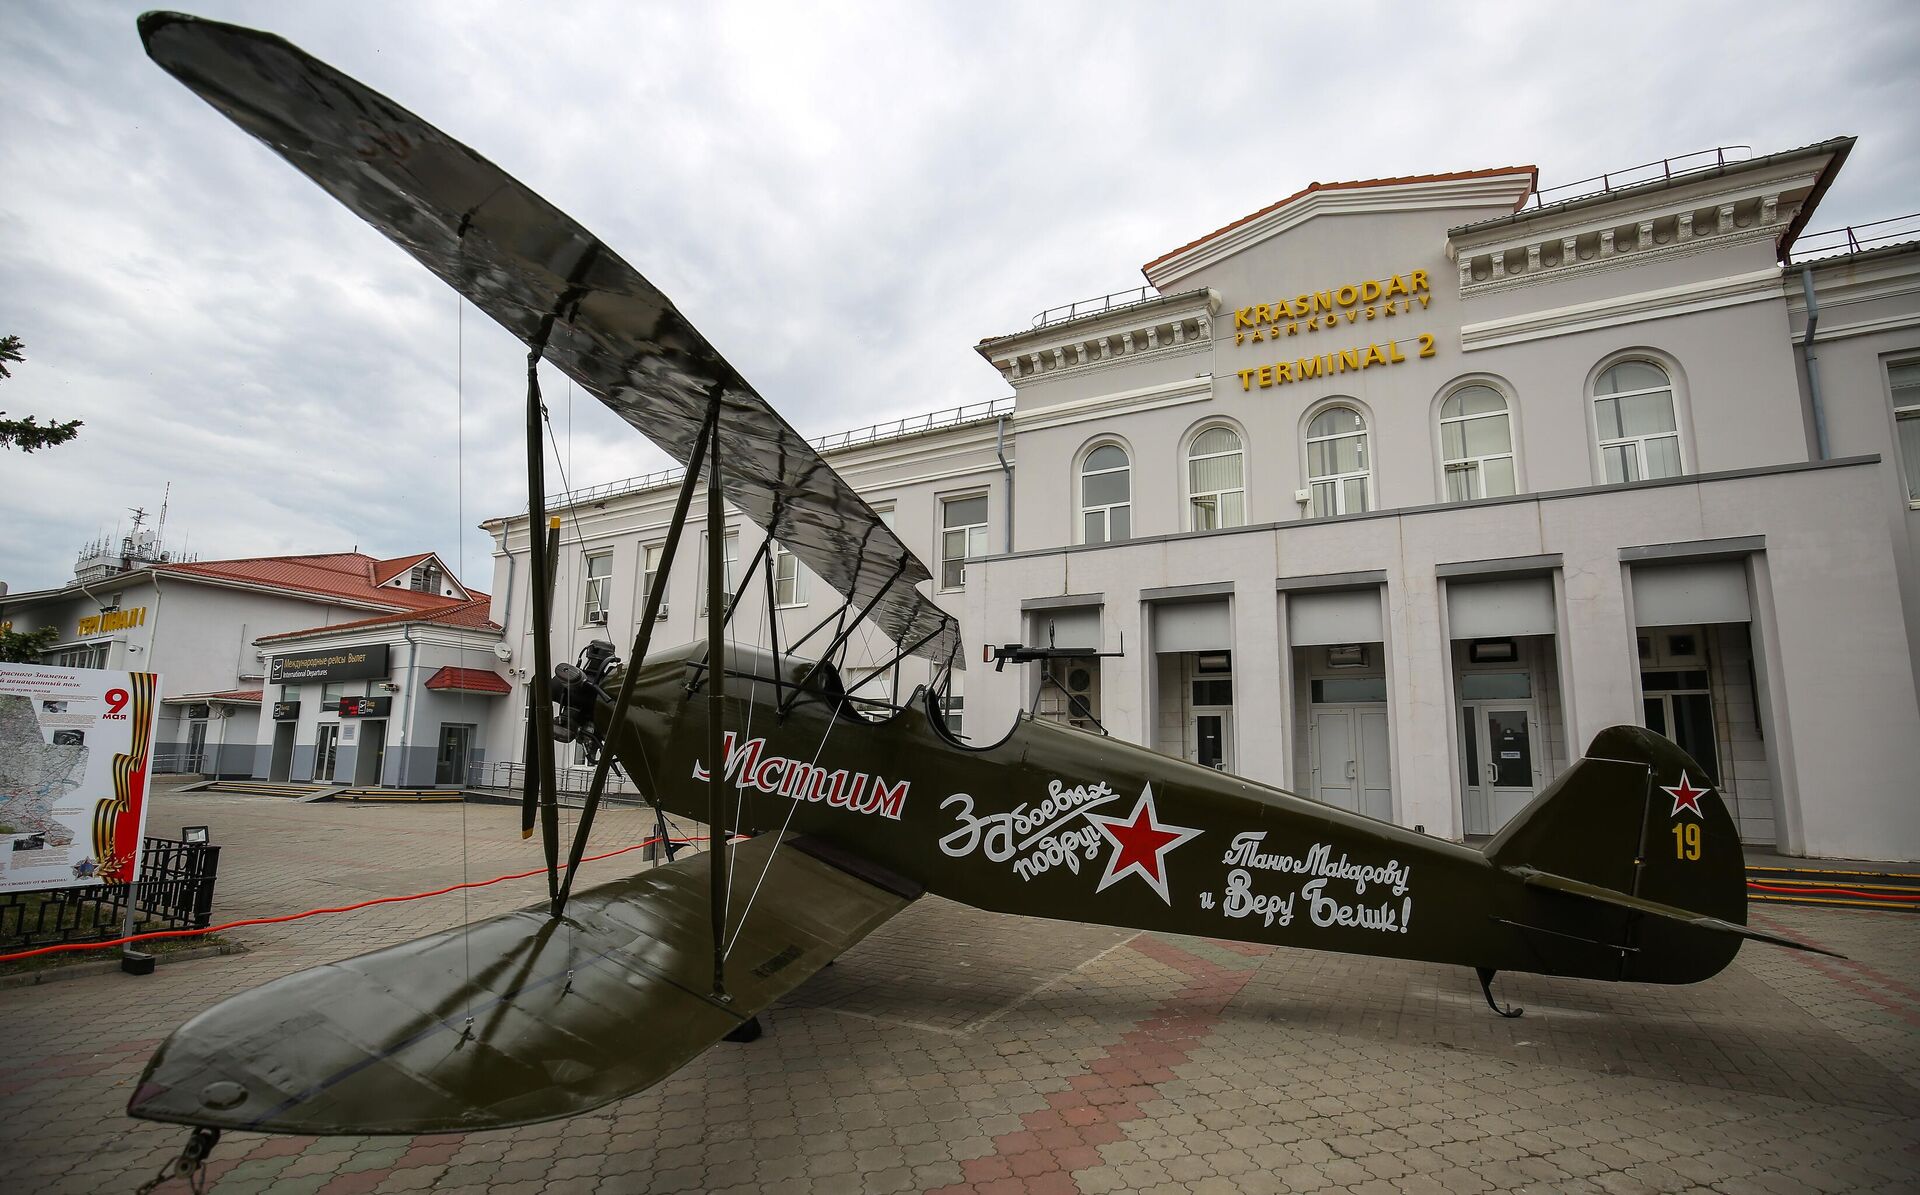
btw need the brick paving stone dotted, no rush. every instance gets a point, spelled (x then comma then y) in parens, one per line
(958, 1049)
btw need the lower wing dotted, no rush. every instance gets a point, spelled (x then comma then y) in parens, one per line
(519, 1018)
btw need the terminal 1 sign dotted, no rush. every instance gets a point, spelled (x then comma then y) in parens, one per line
(330, 664)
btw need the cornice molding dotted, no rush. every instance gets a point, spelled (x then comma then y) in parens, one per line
(1100, 341)
(1105, 406)
(1757, 286)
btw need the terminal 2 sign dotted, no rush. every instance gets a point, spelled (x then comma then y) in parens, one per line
(1326, 310)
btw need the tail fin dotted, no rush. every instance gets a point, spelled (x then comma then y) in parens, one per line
(1633, 848)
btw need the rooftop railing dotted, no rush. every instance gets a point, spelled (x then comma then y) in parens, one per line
(1662, 170)
(893, 429)
(1854, 238)
(1113, 302)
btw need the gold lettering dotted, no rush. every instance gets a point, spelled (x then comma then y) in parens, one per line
(1293, 329)
(1239, 338)
(1374, 357)
(1323, 301)
(1424, 300)
(1302, 305)
(1309, 368)
(1266, 377)
(1396, 287)
(1369, 290)
(1347, 296)
(1260, 314)
(1393, 349)
(1243, 318)
(1284, 371)
(1350, 360)
(1353, 315)
(1246, 379)
(1372, 312)
(1426, 345)
(1419, 279)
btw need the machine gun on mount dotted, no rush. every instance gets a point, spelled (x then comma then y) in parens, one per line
(841, 810)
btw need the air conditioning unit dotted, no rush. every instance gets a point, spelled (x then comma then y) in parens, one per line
(596, 618)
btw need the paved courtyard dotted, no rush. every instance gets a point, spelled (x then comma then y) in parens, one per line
(962, 1051)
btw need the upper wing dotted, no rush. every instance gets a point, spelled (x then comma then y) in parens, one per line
(515, 1019)
(531, 267)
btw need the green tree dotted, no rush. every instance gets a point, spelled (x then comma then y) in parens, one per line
(29, 433)
(25, 647)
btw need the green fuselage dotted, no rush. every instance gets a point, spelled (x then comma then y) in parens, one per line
(1061, 823)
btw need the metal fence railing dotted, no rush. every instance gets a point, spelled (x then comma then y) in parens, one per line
(1853, 238)
(1659, 170)
(569, 778)
(175, 891)
(873, 432)
(1113, 302)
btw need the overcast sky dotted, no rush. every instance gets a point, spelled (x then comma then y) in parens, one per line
(843, 198)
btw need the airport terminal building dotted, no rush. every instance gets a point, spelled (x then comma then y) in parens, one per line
(1395, 492)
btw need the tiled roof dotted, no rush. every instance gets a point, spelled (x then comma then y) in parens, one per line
(349, 576)
(1350, 185)
(386, 570)
(232, 696)
(471, 680)
(466, 615)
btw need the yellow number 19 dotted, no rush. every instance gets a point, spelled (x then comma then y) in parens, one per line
(1686, 840)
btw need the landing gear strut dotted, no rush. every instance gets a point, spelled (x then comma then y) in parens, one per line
(1486, 975)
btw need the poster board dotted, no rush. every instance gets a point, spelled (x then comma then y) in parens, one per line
(76, 750)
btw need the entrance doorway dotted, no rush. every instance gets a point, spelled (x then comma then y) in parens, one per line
(373, 753)
(1351, 764)
(280, 766)
(326, 745)
(1497, 756)
(196, 760)
(450, 766)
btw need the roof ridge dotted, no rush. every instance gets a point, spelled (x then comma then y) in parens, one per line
(1345, 185)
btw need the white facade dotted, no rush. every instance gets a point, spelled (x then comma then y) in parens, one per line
(1504, 476)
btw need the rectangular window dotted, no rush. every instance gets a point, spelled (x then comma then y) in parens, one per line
(1903, 378)
(886, 516)
(650, 576)
(729, 560)
(963, 537)
(599, 589)
(789, 583)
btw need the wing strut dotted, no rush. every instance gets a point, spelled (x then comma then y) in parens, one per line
(529, 774)
(542, 611)
(716, 702)
(641, 642)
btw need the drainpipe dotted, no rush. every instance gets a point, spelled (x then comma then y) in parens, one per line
(406, 710)
(506, 608)
(999, 451)
(1813, 363)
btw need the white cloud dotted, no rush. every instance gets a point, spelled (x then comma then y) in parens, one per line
(844, 198)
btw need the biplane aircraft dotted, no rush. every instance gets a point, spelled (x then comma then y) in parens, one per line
(832, 811)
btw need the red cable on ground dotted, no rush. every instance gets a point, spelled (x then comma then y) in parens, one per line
(383, 900)
(1836, 892)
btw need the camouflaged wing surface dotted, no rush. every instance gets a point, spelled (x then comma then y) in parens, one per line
(523, 261)
(515, 1019)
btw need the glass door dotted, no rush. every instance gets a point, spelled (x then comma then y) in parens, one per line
(1498, 756)
(1212, 738)
(326, 744)
(196, 760)
(451, 763)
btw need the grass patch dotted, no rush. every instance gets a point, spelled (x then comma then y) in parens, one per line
(42, 914)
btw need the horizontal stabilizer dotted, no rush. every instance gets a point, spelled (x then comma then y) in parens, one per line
(1653, 908)
(518, 1018)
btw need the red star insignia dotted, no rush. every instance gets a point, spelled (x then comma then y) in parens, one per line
(1686, 796)
(1141, 842)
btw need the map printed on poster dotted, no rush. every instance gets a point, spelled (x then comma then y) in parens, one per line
(75, 751)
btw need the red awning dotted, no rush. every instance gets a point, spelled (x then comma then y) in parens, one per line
(469, 680)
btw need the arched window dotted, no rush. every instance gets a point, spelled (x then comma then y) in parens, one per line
(1216, 480)
(1337, 469)
(1476, 444)
(1106, 488)
(1634, 420)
